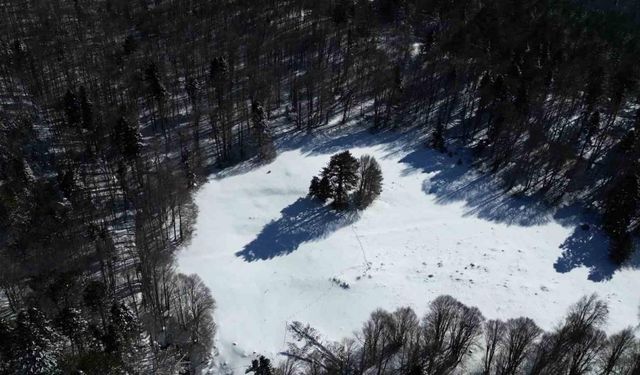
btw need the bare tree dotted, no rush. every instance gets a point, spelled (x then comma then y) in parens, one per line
(193, 308)
(519, 339)
(576, 343)
(618, 353)
(450, 330)
(494, 335)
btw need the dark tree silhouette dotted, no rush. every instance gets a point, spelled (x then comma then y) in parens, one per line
(620, 208)
(262, 133)
(370, 184)
(342, 174)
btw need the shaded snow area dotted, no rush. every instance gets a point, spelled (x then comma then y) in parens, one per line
(271, 256)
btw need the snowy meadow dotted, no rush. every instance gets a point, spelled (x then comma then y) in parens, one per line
(271, 255)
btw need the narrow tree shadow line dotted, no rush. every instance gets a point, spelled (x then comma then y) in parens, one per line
(305, 220)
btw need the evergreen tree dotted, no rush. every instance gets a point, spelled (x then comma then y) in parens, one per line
(74, 326)
(262, 133)
(218, 74)
(122, 334)
(342, 174)
(127, 139)
(35, 345)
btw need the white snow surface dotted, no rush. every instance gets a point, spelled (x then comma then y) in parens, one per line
(268, 253)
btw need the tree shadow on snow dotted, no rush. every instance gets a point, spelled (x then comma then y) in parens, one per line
(484, 197)
(482, 194)
(588, 248)
(305, 220)
(328, 141)
(331, 141)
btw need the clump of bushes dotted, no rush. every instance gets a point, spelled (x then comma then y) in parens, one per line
(341, 283)
(347, 180)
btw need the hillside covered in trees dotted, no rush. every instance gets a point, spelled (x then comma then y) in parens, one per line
(114, 112)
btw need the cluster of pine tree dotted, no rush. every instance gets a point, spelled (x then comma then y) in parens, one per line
(453, 338)
(34, 345)
(95, 334)
(347, 179)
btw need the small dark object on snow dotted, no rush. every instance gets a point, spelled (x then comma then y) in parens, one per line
(340, 283)
(585, 227)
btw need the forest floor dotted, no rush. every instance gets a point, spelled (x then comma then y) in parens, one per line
(271, 255)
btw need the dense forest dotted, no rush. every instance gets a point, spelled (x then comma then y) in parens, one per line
(112, 112)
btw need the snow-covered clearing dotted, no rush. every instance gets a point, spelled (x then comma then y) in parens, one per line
(268, 253)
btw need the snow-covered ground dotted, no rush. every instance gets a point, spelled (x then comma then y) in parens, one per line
(268, 253)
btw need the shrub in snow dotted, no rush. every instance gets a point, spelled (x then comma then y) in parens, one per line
(342, 284)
